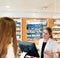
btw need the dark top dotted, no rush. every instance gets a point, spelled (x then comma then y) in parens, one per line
(42, 50)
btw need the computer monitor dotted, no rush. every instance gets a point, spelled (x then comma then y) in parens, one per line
(29, 47)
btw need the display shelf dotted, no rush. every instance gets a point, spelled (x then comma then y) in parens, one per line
(56, 29)
(18, 22)
(35, 28)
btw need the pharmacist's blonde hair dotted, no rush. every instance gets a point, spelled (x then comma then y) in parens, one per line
(7, 33)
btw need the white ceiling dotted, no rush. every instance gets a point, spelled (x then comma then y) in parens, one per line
(30, 5)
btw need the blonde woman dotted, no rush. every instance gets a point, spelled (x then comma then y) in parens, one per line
(47, 46)
(8, 41)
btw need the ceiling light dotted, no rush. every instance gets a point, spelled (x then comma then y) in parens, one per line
(44, 7)
(7, 6)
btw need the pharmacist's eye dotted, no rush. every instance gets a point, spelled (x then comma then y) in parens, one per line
(45, 33)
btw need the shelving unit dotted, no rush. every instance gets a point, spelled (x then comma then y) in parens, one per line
(18, 22)
(35, 28)
(22, 30)
(56, 29)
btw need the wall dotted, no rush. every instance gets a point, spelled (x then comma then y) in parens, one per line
(30, 14)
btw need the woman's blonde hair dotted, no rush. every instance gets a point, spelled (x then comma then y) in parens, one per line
(7, 33)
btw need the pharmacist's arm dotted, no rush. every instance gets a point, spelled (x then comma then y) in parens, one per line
(51, 55)
(54, 55)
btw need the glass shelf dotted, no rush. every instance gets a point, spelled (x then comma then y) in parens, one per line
(56, 29)
(18, 28)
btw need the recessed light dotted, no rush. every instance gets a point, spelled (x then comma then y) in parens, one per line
(45, 7)
(7, 6)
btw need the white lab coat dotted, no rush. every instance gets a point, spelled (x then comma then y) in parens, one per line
(10, 51)
(50, 46)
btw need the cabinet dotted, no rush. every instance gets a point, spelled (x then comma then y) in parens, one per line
(18, 22)
(56, 29)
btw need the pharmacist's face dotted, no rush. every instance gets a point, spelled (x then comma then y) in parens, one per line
(46, 35)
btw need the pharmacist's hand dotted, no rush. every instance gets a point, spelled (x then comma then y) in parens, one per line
(47, 52)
